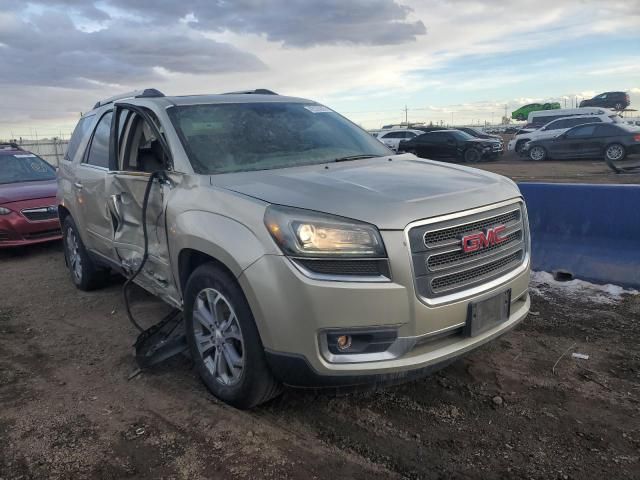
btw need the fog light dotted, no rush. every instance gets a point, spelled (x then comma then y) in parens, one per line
(343, 342)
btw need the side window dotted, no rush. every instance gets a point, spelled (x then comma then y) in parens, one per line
(409, 134)
(99, 149)
(607, 130)
(140, 150)
(79, 133)
(388, 135)
(434, 138)
(579, 132)
(556, 125)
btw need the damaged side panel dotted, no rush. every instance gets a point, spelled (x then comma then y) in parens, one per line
(125, 205)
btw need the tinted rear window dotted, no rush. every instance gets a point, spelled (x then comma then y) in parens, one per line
(24, 167)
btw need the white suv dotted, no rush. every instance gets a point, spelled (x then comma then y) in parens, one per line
(557, 127)
(392, 138)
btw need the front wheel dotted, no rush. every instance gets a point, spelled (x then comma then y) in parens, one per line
(85, 274)
(472, 156)
(224, 340)
(537, 154)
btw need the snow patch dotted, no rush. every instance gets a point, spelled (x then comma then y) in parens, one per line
(543, 282)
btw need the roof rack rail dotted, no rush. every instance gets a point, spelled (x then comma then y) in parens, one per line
(257, 91)
(146, 93)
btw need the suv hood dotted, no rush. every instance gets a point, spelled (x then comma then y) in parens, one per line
(388, 194)
(17, 192)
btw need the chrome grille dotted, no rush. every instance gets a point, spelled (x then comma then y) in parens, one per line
(467, 276)
(433, 237)
(41, 213)
(441, 266)
(456, 257)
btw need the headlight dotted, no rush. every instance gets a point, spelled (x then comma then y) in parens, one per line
(305, 233)
(4, 211)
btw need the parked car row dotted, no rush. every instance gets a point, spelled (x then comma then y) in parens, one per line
(555, 125)
(465, 144)
(613, 141)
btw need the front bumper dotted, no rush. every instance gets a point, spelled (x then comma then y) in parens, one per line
(292, 312)
(16, 230)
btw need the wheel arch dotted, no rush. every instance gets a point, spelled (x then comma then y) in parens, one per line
(190, 259)
(197, 237)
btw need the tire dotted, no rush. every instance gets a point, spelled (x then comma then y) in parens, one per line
(85, 274)
(224, 341)
(519, 144)
(618, 106)
(614, 154)
(537, 153)
(472, 155)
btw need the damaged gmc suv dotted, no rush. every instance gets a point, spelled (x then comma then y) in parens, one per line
(300, 249)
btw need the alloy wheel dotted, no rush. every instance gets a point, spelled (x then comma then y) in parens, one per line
(615, 152)
(218, 336)
(537, 153)
(73, 254)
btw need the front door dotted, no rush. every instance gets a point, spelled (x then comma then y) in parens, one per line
(141, 151)
(573, 144)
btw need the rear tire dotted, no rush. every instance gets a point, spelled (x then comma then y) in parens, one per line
(618, 106)
(614, 154)
(224, 340)
(537, 154)
(472, 155)
(85, 274)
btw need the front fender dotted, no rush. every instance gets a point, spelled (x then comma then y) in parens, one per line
(223, 238)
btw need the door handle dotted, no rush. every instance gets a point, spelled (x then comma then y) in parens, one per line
(78, 185)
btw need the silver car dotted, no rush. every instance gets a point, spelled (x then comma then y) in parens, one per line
(301, 250)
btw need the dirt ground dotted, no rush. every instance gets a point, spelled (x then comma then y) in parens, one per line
(68, 410)
(513, 166)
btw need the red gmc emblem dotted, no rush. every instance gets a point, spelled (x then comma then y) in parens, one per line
(488, 238)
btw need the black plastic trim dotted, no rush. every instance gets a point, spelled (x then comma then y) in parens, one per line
(295, 371)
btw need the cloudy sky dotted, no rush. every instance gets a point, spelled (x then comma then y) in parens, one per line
(460, 60)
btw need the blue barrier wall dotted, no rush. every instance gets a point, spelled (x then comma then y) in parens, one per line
(590, 231)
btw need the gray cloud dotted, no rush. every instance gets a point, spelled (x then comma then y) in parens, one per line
(50, 50)
(296, 23)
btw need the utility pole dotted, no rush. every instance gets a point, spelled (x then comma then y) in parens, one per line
(406, 115)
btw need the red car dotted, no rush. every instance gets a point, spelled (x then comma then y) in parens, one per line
(28, 208)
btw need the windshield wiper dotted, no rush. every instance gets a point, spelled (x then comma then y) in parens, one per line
(354, 157)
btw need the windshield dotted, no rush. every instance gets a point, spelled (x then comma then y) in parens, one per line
(460, 135)
(24, 167)
(241, 137)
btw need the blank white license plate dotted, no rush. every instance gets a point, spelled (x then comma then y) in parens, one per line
(486, 314)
